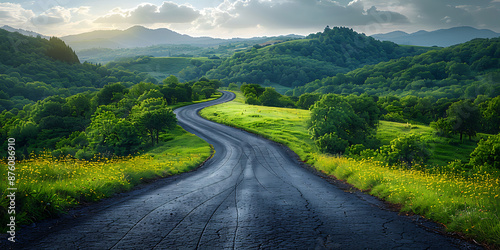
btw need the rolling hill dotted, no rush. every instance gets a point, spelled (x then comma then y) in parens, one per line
(462, 71)
(139, 36)
(441, 38)
(35, 68)
(294, 63)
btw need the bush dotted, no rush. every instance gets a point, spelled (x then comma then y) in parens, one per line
(355, 149)
(406, 150)
(331, 143)
(487, 152)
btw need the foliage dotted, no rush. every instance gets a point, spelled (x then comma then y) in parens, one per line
(333, 114)
(48, 186)
(32, 69)
(307, 100)
(331, 143)
(465, 70)
(294, 63)
(487, 152)
(153, 116)
(464, 118)
(406, 150)
(257, 95)
(116, 120)
(60, 51)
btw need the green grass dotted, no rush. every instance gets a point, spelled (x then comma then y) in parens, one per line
(162, 67)
(468, 205)
(444, 150)
(286, 126)
(388, 131)
(48, 186)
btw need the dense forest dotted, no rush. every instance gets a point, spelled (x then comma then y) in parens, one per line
(50, 101)
(32, 69)
(295, 63)
(461, 71)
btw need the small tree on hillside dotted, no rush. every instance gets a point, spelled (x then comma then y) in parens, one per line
(153, 116)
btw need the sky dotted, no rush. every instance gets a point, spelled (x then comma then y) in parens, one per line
(248, 18)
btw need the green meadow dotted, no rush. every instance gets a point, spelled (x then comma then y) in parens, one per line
(466, 205)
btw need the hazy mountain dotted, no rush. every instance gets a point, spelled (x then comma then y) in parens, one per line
(442, 37)
(138, 36)
(22, 32)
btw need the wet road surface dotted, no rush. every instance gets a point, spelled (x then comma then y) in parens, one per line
(251, 194)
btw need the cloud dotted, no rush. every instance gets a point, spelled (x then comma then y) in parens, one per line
(295, 14)
(168, 12)
(54, 15)
(14, 15)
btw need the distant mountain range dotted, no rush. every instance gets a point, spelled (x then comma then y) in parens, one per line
(22, 32)
(139, 36)
(441, 38)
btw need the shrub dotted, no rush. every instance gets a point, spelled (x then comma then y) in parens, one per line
(331, 143)
(487, 152)
(406, 150)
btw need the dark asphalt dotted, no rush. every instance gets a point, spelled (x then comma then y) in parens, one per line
(251, 194)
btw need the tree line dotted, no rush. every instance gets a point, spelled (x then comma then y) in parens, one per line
(461, 71)
(32, 69)
(295, 63)
(116, 120)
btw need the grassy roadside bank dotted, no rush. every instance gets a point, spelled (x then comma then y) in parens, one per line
(47, 186)
(469, 206)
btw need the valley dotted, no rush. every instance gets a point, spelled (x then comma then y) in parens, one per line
(99, 114)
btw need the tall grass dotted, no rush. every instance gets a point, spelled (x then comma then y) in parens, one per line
(463, 203)
(47, 186)
(468, 205)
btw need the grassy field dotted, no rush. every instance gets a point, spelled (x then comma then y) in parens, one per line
(444, 150)
(48, 186)
(162, 67)
(286, 126)
(470, 206)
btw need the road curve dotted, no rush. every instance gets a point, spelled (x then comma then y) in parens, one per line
(251, 194)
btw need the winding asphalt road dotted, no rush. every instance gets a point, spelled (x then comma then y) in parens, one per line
(251, 194)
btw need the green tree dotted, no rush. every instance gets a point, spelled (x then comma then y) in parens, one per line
(113, 92)
(171, 81)
(491, 115)
(333, 114)
(100, 132)
(152, 93)
(270, 97)
(487, 152)
(307, 100)
(408, 150)
(331, 143)
(154, 116)
(464, 117)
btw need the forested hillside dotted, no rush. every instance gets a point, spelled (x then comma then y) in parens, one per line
(462, 71)
(294, 63)
(34, 68)
(116, 120)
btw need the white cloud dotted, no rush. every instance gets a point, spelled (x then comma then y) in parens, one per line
(295, 14)
(55, 15)
(15, 15)
(168, 12)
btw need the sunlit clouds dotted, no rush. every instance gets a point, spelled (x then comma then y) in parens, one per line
(248, 18)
